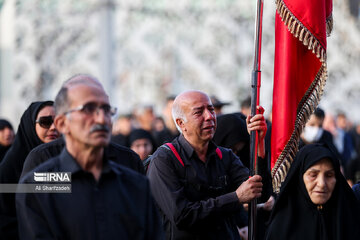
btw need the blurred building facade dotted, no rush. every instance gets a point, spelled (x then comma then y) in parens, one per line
(144, 51)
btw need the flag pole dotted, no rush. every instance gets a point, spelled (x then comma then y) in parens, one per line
(255, 100)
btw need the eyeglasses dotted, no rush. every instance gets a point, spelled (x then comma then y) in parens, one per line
(45, 122)
(91, 107)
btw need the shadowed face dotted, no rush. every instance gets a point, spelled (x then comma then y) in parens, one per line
(143, 147)
(320, 181)
(6, 136)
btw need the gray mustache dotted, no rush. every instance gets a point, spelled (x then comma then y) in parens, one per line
(99, 127)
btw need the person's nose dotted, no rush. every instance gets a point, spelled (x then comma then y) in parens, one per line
(52, 127)
(142, 149)
(321, 182)
(100, 115)
(7, 132)
(209, 115)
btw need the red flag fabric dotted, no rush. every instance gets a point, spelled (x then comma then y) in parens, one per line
(300, 73)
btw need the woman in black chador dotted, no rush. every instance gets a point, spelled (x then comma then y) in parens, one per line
(315, 201)
(6, 137)
(36, 127)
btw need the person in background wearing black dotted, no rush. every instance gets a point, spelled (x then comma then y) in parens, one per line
(169, 132)
(36, 127)
(107, 201)
(218, 105)
(141, 142)
(353, 167)
(198, 186)
(6, 137)
(352, 171)
(121, 129)
(314, 132)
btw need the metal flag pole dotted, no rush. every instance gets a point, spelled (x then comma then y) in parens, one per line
(255, 100)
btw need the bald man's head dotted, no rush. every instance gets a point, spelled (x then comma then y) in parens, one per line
(184, 98)
(81, 79)
(62, 101)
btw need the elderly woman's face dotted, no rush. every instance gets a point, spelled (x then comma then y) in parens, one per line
(320, 181)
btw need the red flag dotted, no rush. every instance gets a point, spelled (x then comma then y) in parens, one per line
(300, 73)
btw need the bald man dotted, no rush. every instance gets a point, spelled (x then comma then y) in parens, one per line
(198, 186)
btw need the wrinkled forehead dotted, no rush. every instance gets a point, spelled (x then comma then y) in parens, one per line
(196, 99)
(84, 93)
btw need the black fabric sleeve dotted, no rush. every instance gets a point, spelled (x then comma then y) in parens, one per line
(154, 226)
(235, 168)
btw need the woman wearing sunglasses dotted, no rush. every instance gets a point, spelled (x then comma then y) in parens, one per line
(36, 127)
(45, 127)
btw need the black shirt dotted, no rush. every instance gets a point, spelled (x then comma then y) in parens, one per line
(118, 206)
(198, 200)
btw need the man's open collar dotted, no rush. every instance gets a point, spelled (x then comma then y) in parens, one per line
(69, 164)
(189, 150)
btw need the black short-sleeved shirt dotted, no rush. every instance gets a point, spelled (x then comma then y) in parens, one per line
(118, 206)
(197, 200)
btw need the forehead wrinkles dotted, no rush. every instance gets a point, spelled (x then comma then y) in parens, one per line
(198, 102)
(83, 93)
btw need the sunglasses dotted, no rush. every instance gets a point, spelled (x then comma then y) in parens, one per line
(45, 122)
(92, 107)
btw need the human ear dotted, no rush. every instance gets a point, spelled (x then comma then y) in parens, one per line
(181, 124)
(61, 124)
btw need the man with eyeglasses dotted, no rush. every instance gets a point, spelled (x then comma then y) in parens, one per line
(198, 186)
(119, 154)
(107, 201)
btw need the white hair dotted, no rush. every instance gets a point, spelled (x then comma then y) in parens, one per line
(178, 113)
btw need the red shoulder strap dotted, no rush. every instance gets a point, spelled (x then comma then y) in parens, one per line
(219, 153)
(175, 153)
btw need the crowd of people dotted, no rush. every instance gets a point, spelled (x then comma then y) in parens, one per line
(181, 175)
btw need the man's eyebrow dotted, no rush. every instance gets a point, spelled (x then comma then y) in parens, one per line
(202, 107)
(197, 108)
